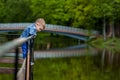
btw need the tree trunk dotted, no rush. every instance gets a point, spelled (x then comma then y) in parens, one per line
(104, 28)
(117, 29)
(48, 46)
(111, 30)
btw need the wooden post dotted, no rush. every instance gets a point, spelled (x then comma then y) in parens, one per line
(16, 64)
(28, 67)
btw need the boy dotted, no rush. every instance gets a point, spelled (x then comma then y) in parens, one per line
(31, 31)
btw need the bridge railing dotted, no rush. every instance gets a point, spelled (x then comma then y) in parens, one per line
(48, 27)
(26, 69)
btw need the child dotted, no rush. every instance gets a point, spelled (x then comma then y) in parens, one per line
(31, 31)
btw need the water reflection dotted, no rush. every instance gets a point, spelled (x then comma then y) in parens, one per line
(103, 65)
(109, 58)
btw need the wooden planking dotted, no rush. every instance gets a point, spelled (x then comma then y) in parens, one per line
(9, 60)
(6, 70)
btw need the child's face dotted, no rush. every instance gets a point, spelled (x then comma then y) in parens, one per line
(39, 26)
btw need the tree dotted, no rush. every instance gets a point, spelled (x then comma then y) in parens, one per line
(53, 11)
(15, 11)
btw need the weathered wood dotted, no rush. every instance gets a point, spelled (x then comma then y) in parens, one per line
(13, 50)
(10, 60)
(6, 70)
(28, 67)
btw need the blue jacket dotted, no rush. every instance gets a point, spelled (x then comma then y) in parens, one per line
(28, 31)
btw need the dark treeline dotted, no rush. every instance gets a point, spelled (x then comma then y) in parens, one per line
(103, 15)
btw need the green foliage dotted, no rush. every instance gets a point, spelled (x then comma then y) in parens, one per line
(53, 40)
(110, 44)
(53, 11)
(77, 13)
(15, 11)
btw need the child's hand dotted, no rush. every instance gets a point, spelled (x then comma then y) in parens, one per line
(34, 36)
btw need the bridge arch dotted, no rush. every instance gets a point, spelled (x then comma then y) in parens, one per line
(77, 33)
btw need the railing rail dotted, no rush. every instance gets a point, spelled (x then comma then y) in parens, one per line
(12, 44)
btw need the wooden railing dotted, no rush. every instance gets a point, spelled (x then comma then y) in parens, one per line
(25, 72)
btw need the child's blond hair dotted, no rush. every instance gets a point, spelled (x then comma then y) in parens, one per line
(42, 21)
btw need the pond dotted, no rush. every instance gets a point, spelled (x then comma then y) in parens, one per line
(104, 65)
(87, 63)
